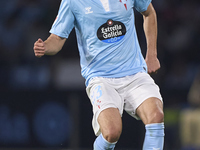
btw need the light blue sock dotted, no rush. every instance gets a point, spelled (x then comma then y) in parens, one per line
(102, 144)
(154, 137)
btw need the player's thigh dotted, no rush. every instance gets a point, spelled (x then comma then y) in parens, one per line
(143, 98)
(151, 111)
(110, 124)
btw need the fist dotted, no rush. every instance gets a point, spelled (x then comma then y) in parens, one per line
(39, 48)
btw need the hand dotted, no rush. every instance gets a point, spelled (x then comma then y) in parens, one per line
(153, 64)
(39, 48)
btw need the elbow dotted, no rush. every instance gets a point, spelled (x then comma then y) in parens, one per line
(149, 12)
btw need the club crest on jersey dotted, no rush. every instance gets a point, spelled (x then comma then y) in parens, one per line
(124, 2)
(111, 31)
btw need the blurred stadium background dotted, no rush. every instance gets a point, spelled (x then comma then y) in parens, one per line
(43, 103)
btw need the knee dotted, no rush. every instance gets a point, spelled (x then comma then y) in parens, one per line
(156, 117)
(112, 134)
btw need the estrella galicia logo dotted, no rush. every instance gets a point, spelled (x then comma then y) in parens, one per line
(111, 31)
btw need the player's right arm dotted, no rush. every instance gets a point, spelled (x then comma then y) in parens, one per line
(51, 46)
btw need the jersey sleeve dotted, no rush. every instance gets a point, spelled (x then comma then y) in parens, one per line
(64, 22)
(141, 5)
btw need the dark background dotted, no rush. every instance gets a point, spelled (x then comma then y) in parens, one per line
(43, 103)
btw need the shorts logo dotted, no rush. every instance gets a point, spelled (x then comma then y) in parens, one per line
(111, 31)
(98, 104)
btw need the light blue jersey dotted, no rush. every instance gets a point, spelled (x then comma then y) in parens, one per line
(106, 35)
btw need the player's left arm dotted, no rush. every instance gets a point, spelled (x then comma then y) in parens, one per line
(150, 29)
